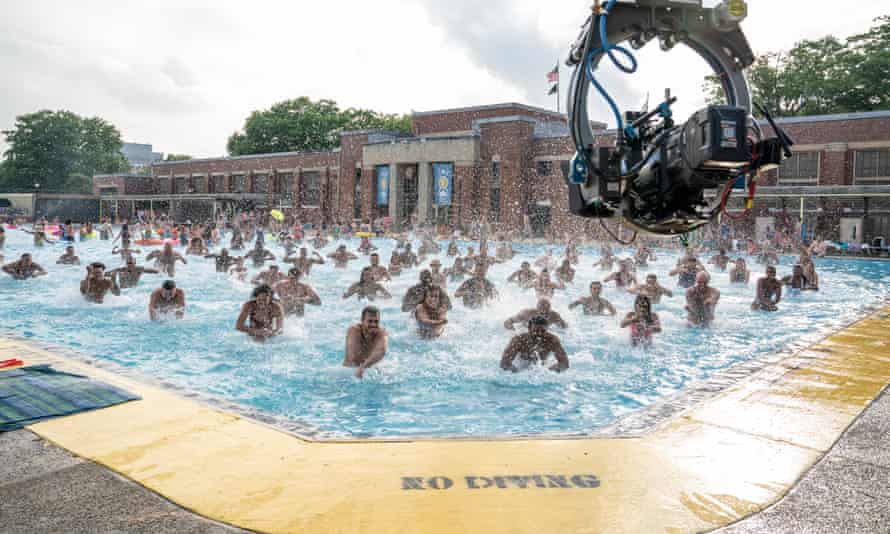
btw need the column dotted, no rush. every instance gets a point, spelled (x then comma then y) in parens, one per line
(394, 194)
(424, 191)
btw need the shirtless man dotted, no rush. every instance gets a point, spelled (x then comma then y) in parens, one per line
(452, 249)
(238, 270)
(572, 252)
(379, 272)
(594, 304)
(477, 290)
(431, 315)
(270, 277)
(223, 260)
(739, 273)
(544, 287)
(125, 251)
(428, 247)
(416, 294)
(652, 290)
(797, 281)
(97, 283)
(607, 259)
(261, 317)
(768, 293)
(319, 241)
(24, 268)
(439, 277)
(504, 252)
(304, 262)
(395, 264)
(809, 273)
(767, 256)
(165, 299)
(295, 294)
(547, 261)
(366, 287)
(721, 260)
(686, 269)
(342, 257)
(129, 275)
(543, 309)
(624, 278)
(458, 271)
(643, 322)
(68, 258)
(525, 277)
(642, 256)
(237, 242)
(365, 247)
(366, 342)
(259, 255)
(565, 273)
(196, 247)
(534, 347)
(408, 258)
(701, 301)
(166, 259)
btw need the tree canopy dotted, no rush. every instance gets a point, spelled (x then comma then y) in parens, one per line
(822, 76)
(59, 150)
(177, 157)
(302, 124)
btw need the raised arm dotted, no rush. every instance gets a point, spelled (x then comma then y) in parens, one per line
(510, 354)
(562, 359)
(558, 320)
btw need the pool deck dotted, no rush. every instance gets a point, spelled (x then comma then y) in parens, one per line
(716, 463)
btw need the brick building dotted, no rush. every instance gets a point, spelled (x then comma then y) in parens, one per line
(506, 164)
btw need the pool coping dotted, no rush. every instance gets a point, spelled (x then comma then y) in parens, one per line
(710, 465)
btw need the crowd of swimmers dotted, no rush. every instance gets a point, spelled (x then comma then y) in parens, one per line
(279, 294)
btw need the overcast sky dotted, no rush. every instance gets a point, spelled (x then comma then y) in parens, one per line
(184, 75)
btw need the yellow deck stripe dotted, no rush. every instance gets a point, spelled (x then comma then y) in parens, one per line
(718, 462)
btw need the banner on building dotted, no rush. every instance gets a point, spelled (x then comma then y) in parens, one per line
(383, 185)
(443, 176)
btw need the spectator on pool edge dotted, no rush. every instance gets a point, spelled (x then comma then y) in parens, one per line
(366, 342)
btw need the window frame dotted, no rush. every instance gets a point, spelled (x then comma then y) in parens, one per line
(882, 155)
(305, 201)
(795, 177)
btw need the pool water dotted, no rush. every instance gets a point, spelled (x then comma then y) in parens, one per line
(450, 386)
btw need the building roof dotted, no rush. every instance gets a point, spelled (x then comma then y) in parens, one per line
(859, 115)
(250, 156)
(490, 107)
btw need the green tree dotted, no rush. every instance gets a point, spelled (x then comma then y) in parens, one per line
(302, 124)
(57, 149)
(177, 157)
(821, 76)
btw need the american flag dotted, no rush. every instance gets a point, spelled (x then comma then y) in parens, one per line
(553, 75)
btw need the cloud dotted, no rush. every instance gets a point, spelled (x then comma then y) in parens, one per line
(178, 71)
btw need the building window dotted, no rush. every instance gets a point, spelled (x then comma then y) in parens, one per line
(260, 183)
(287, 185)
(182, 185)
(164, 186)
(239, 183)
(357, 199)
(800, 167)
(219, 184)
(545, 168)
(872, 165)
(199, 184)
(310, 192)
(495, 192)
(103, 191)
(496, 171)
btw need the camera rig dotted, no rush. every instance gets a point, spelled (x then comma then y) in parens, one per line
(656, 174)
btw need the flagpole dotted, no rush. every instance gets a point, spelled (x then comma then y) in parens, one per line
(557, 84)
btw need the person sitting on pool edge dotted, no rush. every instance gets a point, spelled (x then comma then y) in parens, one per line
(261, 317)
(534, 346)
(643, 322)
(165, 299)
(366, 342)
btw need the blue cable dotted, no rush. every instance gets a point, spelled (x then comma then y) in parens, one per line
(609, 49)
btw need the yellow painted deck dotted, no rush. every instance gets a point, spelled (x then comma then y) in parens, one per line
(720, 461)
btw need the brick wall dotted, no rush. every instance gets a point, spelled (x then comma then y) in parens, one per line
(462, 121)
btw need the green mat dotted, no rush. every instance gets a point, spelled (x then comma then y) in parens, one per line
(38, 392)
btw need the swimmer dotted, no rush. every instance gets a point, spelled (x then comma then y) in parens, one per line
(295, 295)
(237, 242)
(408, 258)
(196, 247)
(223, 260)
(342, 257)
(238, 270)
(768, 293)
(809, 273)
(477, 290)
(594, 304)
(525, 277)
(458, 271)
(379, 272)
(469, 260)
(431, 315)
(534, 347)
(686, 269)
(129, 275)
(767, 256)
(125, 252)
(166, 259)
(543, 309)
(428, 247)
(287, 242)
(366, 342)
(259, 255)
(504, 252)
(652, 290)
(739, 274)
(319, 241)
(68, 258)
(165, 299)
(547, 261)
(366, 287)
(721, 260)
(416, 294)
(565, 273)
(97, 284)
(304, 262)
(395, 264)
(452, 249)
(643, 322)
(261, 317)
(607, 259)
(24, 268)
(624, 276)
(544, 287)
(797, 281)
(365, 247)
(269, 277)
(701, 301)
(572, 252)
(439, 278)
(642, 256)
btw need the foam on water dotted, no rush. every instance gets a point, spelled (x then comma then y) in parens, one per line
(449, 386)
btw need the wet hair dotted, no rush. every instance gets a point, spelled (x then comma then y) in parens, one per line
(168, 285)
(643, 299)
(97, 265)
(261, 289)
(370, 310)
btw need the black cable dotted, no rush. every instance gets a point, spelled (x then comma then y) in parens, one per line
(615, 237)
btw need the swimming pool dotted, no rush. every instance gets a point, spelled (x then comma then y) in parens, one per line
(451, 386)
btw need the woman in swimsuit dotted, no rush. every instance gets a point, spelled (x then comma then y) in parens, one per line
(643, 322)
